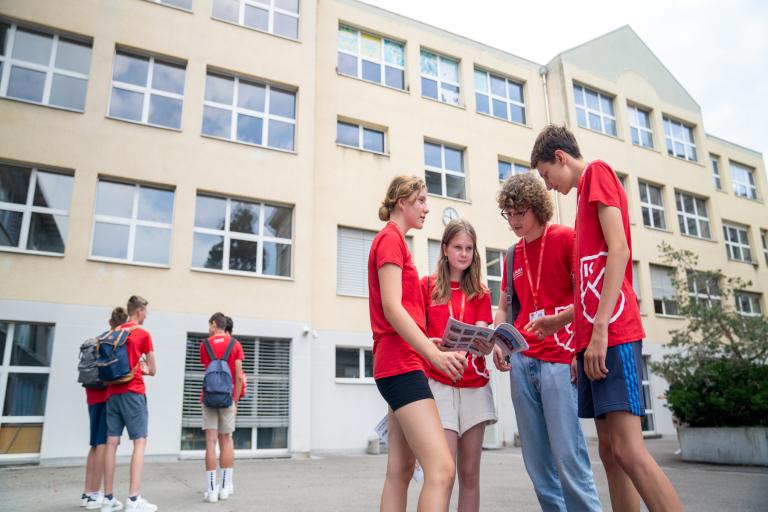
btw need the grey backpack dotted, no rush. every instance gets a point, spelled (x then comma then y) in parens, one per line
(217, 382)
(87, 370)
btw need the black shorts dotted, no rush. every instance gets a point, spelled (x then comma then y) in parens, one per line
(400, 390)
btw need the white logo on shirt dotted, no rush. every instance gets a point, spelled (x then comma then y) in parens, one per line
(564, 336)
(485, 373)
(592, 270)
(517, 273)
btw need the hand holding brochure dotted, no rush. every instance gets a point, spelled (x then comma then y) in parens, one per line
(459, 336)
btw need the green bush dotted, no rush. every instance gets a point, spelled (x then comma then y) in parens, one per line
(722, 393)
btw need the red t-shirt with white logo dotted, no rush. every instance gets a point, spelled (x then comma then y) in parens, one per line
(392, 355)
(139, 342)
(600, 185)
(555, 292)
(476, 310)
(219, 344)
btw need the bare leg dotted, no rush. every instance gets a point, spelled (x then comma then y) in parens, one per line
(470, 450)
(137, 464)
(211, 436)
(452, 438)
(400, 465)
(630, 453)
(227, 448)
(109, 463)
(624, 496)
(90, 472)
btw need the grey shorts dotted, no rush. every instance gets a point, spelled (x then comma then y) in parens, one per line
(220, 419)
(127, 410)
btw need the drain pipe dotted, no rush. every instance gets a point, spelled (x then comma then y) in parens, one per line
(543, 71)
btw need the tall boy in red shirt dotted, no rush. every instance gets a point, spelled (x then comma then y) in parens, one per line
(608, 332)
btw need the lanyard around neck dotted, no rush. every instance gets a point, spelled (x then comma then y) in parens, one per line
(535, 290)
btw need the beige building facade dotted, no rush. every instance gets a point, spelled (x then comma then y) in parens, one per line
(231, 155)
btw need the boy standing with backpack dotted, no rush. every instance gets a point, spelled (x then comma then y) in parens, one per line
(222, 357)
(127, 408)
(608, 331)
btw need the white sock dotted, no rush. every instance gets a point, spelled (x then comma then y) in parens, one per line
(227, 478)
(210, 480)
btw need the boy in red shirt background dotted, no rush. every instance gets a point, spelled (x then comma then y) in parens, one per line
(608, 332)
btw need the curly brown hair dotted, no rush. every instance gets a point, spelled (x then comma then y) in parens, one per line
(526, 191)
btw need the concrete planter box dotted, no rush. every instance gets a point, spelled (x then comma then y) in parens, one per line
(746, 446)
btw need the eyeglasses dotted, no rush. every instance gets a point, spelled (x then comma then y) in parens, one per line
(518, 213)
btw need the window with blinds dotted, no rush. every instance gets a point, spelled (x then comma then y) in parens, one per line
(262, 414)
(352, 248)
(664, 292)
(433, 247)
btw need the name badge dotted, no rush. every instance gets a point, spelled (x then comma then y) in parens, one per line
(536, 314)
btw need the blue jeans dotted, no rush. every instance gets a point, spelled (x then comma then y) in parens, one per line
(553, 446)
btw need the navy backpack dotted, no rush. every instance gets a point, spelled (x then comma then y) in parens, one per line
(217, 382)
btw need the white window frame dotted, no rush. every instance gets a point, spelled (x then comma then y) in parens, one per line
(714, 161)
(764, 241)
(700, 219)
(689, 146)
(587, 110)
(445, 172)
(636, 113)
(381, 61)
(174, 6)
(133, 222)
(259, 238)
(268, 5)
(667, 301)
(754, 303)
(146, 90)
(506, 99)
(361, 129)
(7, 61)
(438, 78)
(491, 278)
(236, 110)
(646, 384)
(746, 189)
(735, 236)
(647, 204)
(28, 208)
(636, 282)
(362, 379)
(364, 238)
(5, 370)
(515, 168)
(706, 295)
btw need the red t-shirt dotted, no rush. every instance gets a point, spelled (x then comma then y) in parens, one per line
(96, 396)
(219, 344)
(476, 310)
(392, 355)
(139, 343)
(555, 291)
(600, 185)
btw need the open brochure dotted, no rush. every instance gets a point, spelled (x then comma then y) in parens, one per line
(459, 336)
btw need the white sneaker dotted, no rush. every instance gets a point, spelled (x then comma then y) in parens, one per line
(140, 505)
(84, 499)
(226, 492)
(211, 496)
(94, 503)
(111, 505)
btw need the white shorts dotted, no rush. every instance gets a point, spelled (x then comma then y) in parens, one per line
(221, 419)
(462, 408)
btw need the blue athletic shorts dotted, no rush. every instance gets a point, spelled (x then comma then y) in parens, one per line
(621, 390)
(129, 411)
(98, 415)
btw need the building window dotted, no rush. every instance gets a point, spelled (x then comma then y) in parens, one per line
(499, 96)
(147, 90)
(445, 171)
(703, 289)
(279, 17)
(354, 364)
(34, 209)
(623, 181)
(360, 137)
(764, 240)
(371, 58)
(664, 293)
(692, 215)
(507, 169)
(132, 223)
(679, 137)
(636, 281)
(44, 67)
(25, 364)
(247, 111)
(353, 246)
(594, 110)
(737, 243)
(647, 422)
(714, 160)
(494, 264)
(652, 205)
(242, 237)
(743, 181)
(748, 304)
(262, 420)
(640, 126)
(434, 253)
(181, 4)
(439, 78)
